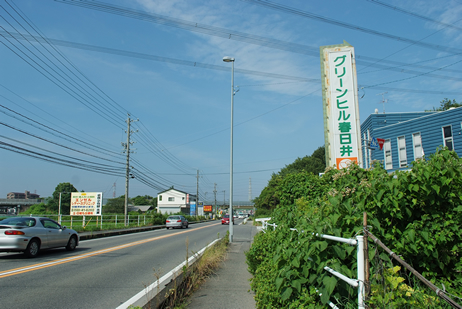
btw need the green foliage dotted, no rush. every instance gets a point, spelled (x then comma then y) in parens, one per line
(446, 104)
(144, 200)
(390, 291)
(417, 214)
(263, 213)
(115, 206)
(270, 196)
(158, 218)
(65, 188)
(37, 209)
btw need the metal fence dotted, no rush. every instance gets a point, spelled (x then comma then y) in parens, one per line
(358, 242)
(102, 222)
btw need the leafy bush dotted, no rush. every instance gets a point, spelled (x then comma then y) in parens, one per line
(417, 214)
(158, 218)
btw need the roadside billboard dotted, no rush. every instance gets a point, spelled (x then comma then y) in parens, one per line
(207, 208)
(192, 209)
(340, 105)
(86, 203)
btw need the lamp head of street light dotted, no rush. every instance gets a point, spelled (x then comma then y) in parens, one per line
(228, 59)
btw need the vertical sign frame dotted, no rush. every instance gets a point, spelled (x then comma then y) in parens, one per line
(342, 132)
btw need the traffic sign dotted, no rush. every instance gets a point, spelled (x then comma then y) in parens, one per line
(374, 144)
(381, 141)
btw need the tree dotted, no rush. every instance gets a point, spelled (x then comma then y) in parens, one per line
(269, 198)
(115, 205)
(446, 104)
(142, 200)
(65, 188)
(315, 164)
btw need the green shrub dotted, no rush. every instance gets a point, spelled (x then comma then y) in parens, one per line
(417, 214)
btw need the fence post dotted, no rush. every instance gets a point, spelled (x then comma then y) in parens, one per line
(128, 220)
(366, 258)
(101, 221)
(138, 220)
(361, 268)
(116, 221)
(83, 221)
(71, 220)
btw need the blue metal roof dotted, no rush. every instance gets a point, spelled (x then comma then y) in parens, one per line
(428, 124)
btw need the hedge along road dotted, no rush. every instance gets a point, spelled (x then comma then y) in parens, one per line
(101, 273)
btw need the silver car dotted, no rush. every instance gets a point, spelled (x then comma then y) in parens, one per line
(176, 221)
(31, 234)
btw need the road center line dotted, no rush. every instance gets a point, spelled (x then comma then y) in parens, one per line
(25, 269)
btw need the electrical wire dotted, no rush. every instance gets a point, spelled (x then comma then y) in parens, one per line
(294, 11)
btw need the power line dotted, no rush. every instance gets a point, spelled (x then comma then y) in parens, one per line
(398, 9)
(294, 11)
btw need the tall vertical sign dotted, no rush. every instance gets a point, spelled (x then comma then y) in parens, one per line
(340, 105)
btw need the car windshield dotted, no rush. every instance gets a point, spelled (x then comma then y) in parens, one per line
(18, 221)
(226, 216)
(173, 218)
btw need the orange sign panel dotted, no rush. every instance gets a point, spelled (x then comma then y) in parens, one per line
(345, 162)
(207, 208)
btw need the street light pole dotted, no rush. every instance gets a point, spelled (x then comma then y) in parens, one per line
(231, 217)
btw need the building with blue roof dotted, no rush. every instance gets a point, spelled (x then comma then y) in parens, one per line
(410, 136)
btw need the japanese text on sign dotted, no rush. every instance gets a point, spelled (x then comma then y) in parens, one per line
(86, 203)
(340, 111)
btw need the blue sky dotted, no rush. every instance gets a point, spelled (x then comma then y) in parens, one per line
(161, 61)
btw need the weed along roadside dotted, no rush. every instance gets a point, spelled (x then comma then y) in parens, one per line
(170, 290)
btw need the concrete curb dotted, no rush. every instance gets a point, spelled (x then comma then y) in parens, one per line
(155, 294)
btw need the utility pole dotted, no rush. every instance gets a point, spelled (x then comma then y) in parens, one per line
(250, 189)
(127, 167)
(215, 199)
(224, 199)
(197, 194)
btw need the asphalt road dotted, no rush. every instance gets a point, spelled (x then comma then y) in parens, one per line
(100, 273)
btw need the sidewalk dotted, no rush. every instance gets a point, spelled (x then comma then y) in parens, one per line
(229, 287)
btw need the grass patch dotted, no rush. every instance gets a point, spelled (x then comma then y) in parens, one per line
(197, 275)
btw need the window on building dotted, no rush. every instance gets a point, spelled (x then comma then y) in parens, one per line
(182, 198)
(171, 199)
(160, 198)
(402, 151)
(447, 137)
(417, 143)
(387, 154)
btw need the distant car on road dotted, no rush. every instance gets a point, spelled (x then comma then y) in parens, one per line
(225, 220)
(176, 221)
(241, 216)
(32, 234)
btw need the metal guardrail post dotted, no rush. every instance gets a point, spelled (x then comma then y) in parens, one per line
(361, 272)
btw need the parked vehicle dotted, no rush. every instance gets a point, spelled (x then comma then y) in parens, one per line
(176, 221)
(32, 234)
(225, 219)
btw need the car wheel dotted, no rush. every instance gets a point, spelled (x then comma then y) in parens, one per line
(187, 225)
(32, 249)
(72, 243)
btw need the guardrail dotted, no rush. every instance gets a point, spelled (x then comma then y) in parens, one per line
(358, 242)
